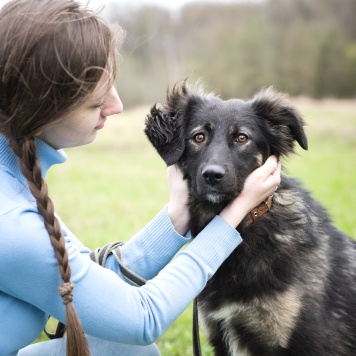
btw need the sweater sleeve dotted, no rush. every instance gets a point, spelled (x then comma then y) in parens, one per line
(151, 249)
(108, 307)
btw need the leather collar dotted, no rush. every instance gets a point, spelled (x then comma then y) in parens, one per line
(258, 211)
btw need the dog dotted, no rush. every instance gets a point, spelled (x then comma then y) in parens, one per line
(290, 287)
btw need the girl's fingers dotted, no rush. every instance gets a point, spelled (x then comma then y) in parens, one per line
(275, 177)
(269, 167)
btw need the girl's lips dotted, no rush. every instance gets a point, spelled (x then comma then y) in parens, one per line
(99, 127)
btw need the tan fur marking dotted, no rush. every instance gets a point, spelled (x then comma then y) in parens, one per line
(259, 158)
(273, 319)
(284, 198)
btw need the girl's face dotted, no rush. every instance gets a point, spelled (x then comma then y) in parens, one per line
(80, 126)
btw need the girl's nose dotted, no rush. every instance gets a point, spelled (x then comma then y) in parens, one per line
(113, 104)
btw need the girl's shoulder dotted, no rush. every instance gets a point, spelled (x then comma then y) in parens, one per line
(14, 192)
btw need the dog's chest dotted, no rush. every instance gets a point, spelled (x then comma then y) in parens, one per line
(270, 319)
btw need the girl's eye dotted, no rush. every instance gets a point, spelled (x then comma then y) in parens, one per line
(199, 138)
(100, 106)
(242, 138)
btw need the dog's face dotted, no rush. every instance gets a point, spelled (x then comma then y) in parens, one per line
(219, 143)
(222, 146)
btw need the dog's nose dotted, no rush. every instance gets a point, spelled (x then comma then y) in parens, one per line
(213, 174)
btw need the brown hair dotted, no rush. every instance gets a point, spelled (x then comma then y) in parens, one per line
(52, 55)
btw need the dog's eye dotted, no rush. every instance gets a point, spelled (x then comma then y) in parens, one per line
(199, 138)
(242, 138)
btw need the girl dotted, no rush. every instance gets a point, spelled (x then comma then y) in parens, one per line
(57, 69)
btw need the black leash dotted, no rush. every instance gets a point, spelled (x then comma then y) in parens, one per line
(61, 329)
(99, 256)
(196, 337)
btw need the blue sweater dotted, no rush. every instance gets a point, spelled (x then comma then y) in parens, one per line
(107, 305)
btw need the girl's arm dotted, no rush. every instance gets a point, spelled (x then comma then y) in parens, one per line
(155, 245)
(108, 307)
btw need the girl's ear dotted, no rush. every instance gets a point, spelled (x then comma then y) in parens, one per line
(165, 124)
(282, 121)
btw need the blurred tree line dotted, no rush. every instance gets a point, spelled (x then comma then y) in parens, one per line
(303, 47)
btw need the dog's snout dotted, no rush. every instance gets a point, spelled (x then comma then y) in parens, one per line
(213, 174)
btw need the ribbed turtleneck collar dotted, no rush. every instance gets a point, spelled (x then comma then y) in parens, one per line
(47, 155)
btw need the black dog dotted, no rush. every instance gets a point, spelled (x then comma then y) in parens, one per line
(290, 287)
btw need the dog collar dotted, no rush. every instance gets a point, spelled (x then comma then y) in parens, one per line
(258, 211)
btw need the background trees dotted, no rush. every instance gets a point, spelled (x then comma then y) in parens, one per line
(303, 47)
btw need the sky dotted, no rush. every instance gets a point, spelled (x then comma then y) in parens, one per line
(167, 3)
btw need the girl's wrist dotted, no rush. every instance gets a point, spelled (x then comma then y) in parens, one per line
(234, 213)
(232, 217)
(179, 218)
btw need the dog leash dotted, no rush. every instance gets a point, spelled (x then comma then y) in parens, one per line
(252, 216)
(100, 256)
(196, 336)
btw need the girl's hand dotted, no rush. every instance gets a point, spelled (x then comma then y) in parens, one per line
(178, 203)
(261, 183)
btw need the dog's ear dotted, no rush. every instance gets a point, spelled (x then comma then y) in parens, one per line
(283, 121)
(164, 124)
(164, 132)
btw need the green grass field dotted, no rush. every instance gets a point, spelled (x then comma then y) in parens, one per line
(110, 189)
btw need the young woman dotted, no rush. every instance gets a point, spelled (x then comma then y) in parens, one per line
(57, 69)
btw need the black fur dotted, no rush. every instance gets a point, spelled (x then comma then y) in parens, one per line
(289, 288)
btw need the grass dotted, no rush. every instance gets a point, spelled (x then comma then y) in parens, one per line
(110, 189)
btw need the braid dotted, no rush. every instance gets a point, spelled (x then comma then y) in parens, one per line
(52, 56)
(31, 169)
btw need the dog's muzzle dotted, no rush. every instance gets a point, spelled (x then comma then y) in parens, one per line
(215, 184)
(213, 174)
